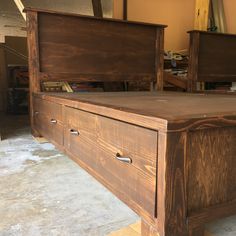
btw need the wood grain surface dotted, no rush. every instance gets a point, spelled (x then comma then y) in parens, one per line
(211, 168)
(97, 144)
(175, 180)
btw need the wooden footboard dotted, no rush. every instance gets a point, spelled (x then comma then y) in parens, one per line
(211, 58)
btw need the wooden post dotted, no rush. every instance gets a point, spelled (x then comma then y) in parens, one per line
(97, 8)
(159, 63)
(125, 9)
(33, 52)
(3, 80)
(193, 61)
(171, 194)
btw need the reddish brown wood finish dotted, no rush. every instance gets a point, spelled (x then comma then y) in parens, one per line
(33, 54)
(164, 134)
(96, 144)
(97, 8)
(97, 49)
(212, 57)
(182, 173)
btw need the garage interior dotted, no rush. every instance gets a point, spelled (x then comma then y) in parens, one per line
(45, 192)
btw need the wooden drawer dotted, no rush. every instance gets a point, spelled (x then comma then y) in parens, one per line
(53, 110)
(48, 120)
(50, 130)
(96, 140)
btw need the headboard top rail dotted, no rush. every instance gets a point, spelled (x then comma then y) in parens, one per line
(27, 9)
(211, 33)
(71, 47)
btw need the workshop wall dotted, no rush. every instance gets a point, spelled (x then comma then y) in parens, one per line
(178, 15)
(19, 44)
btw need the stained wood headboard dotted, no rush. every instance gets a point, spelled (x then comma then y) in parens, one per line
(212, 58)
(70, 47)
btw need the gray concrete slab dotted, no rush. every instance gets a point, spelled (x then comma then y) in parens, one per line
(43, 192)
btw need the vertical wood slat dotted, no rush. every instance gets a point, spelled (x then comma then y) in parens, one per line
(3, 80)
(171, 194)
(193, 61)
(97, 8)
(125, 9)
(159, 60)
(33, 54)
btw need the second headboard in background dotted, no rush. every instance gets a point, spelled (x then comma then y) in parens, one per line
(75, 48)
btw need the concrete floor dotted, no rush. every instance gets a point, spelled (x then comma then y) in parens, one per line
(42, 192)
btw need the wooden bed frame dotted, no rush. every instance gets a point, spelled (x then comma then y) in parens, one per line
(169, 156)
(211, 59)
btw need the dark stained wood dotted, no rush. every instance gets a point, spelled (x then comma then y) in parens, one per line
(33, 54)
(178, 179)
(97, 8)
(141, 120)
(97, 144)
(46, 122)
(212, 57)
(46, 107)
(197, 231)
(176, 80)
(216, 63)
(206, 186)
(211, 213)
(182, 110)
(31, 9)
(180, 147)
(171, 194)
(159, 59)
(95, 48)
(125, 9)
(87, 77)
(193, 61)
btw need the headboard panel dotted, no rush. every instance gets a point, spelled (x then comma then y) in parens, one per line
(83, 48)
(212, 58)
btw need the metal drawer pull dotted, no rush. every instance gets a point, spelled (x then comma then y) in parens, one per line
(74, 132)
(123, 159)
(36, 112)
(53, 121)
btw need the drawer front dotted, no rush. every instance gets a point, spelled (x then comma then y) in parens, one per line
(97, 140)
(50, 130)
(47, 108)
(48, 123)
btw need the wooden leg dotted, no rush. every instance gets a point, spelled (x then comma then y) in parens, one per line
(148, 230)
(196, 232)
(35, 133)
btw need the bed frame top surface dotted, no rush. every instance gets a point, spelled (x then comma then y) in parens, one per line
(165, 105)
